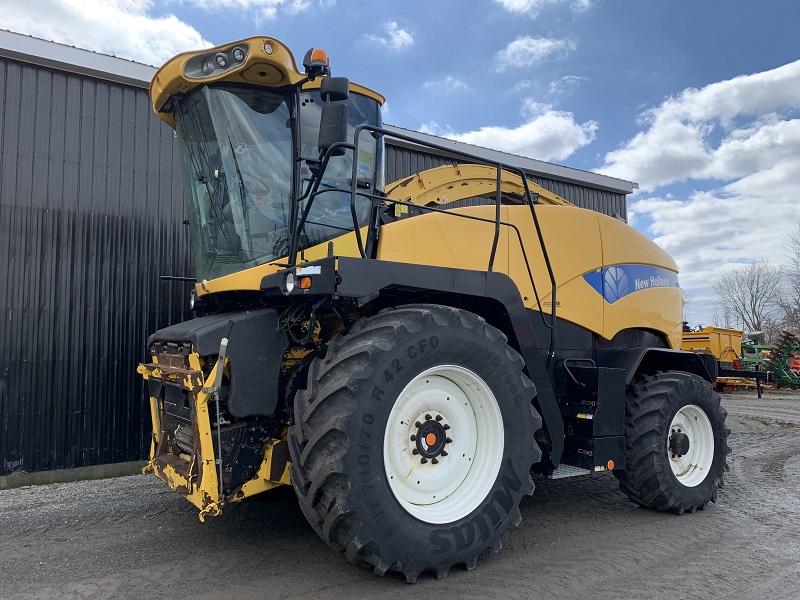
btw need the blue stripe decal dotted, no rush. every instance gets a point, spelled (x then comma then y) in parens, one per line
(619, 281)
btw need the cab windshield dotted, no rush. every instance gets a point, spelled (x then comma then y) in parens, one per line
(237, 153)
(236, 149)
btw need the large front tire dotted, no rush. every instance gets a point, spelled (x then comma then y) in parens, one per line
(413, 442)
(676, 443)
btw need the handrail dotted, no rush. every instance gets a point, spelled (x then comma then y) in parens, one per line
(499, 166)
(372, 232)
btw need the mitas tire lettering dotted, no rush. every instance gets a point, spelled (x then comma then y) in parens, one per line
(478, 527)
(337, 442)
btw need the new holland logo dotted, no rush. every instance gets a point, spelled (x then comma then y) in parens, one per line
(614, 283)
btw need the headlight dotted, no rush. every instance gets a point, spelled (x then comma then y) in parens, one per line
(196, 304)
(289, 282)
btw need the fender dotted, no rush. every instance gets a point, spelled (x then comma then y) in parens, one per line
(650, 360)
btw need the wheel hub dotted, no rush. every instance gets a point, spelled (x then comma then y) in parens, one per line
(444, 443)
(679, 443)
(690, 442)
(431, 438)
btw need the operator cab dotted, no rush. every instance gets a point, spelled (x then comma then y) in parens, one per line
(251, 156)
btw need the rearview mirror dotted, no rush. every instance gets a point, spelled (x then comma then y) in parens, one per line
(332, 128)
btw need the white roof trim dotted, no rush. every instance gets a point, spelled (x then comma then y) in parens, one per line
(93, 64)
(76, 60)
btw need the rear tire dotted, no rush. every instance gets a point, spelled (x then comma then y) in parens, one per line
(436, 373)
(676, 443)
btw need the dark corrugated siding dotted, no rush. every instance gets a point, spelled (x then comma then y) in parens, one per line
(91, 213)
(402, 162)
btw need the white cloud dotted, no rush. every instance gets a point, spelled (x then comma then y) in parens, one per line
(396, 37)
(528, 51)
(265, 9)
(433, 128)
(532, 7)
(124, 28)
(546, 134)
(521, 86)
(738, 143)
(565, 85)
(448, 84)
(711, 231)
(751, 111)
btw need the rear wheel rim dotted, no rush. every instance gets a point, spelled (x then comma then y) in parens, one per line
(692, 467)
(443, 445)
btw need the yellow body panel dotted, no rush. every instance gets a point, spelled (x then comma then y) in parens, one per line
(577, 241)
(201, 489)
(444, 240)
(274, 70)
(622, 244)
(250, 279)
(659, 309)
(572, 238)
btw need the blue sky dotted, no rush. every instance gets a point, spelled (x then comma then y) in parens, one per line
(698, 102)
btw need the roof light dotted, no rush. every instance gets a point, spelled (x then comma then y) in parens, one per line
(222, 60)
(268, 48)
(238, 54)
(316, 63)
(319, 56)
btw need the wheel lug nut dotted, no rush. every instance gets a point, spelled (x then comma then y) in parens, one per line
(428, 417)
(413, 438)
(438, 417)
(415, 451)
(446, 426)
(424, 460)
(434, 461)
(418, 424)
(447, 440)
(444, 452)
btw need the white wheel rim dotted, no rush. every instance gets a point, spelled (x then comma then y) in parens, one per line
(459, 481)
(691, 467)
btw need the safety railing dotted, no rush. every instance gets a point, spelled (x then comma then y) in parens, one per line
(366, 248)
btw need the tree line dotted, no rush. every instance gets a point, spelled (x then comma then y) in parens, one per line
(761, 296)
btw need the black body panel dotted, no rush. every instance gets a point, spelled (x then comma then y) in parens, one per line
(362, 279)
(587, 375)
(594, 416)
(650, 360)
(255, 348)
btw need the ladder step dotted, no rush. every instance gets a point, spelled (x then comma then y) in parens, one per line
(568, 471)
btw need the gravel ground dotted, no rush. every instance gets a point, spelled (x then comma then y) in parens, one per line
(131, 537)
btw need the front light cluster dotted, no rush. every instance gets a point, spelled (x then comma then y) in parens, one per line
(209, 65)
